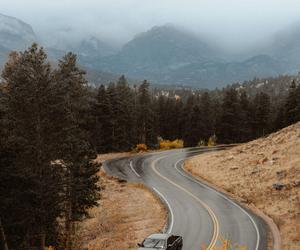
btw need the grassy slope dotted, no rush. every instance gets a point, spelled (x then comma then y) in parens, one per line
(249, 171)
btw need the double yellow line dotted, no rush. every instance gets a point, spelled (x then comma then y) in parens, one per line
(210, 212)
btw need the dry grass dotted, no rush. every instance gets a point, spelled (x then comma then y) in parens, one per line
(127, 213)
(249, 171)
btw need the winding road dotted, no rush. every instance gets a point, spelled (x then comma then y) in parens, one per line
(197, 212)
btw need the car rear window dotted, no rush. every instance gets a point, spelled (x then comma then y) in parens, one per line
(154, 243)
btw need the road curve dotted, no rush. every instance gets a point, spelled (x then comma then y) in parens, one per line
(197, 212)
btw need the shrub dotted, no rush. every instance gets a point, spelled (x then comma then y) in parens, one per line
(141, 147)
(167, 144)
(212, 141)
(201, 143)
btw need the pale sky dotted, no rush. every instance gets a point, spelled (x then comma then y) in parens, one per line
(237, 24)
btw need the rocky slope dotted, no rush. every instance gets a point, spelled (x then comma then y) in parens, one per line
(264, 173)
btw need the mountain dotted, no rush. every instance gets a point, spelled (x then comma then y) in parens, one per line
(154, 54)
(168, 55)
(18, 35)
(165, 55)
(15, 34)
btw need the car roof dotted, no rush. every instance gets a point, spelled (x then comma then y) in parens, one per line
(159, 236)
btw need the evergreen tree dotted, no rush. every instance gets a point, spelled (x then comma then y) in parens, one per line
(101, 135)
(246, 122)
(146, 119)
(206, 115)
(32, 179)
(125, 115)
(228, 127)
(262, 108)
(188, 136)
(76, 153)
(292, 105)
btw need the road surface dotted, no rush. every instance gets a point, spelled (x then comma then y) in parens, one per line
(197, 212)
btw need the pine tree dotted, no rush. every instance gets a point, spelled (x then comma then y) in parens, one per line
(292, 105)
(229, 124)
(125, 115)
(186, 120)
(32, 178)
(146, 119)
(77, 155)
(207, 121)
(262, 108)
(101, 111)
(246, 125)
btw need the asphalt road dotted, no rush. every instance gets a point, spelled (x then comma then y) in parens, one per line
(197, 212)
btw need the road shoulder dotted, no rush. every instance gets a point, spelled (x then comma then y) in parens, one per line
(127, 213)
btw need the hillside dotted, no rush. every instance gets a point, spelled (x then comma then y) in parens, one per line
(264, 173)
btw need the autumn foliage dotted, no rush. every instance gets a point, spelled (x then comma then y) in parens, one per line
(167, 144)
(141, 147)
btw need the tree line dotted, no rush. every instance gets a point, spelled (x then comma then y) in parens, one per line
(125, 115)
(52, 124)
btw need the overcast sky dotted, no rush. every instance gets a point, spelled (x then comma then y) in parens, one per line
(237, 24)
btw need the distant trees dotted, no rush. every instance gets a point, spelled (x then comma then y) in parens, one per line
(46, 170)
(292, 105)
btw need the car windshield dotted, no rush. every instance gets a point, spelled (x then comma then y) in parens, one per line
(153, 243)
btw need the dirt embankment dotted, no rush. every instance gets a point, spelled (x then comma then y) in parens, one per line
(127, 213)
(264, 173)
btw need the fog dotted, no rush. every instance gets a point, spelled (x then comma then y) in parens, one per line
(237, 25)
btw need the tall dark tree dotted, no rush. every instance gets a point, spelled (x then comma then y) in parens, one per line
(292, 105)
(206, 116)
(188, 136)
(246, 122)
(228, 127)
(76, 153)
(262, 107)
(146, 119)
(101, 113)
(34, 179)
(124, 115)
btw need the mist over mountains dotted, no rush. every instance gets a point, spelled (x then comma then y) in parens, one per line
(163, 55)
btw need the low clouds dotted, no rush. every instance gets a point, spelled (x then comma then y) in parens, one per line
(236, 24)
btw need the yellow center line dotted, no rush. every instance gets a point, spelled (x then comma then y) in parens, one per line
(209, 210)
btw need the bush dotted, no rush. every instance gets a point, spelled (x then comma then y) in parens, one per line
(167, 144)
(212, 141)
(201, 143)
(141, 147)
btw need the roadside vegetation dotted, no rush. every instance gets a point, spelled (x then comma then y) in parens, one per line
(264, 173)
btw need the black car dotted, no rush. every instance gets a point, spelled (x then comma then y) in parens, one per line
(161, 241)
